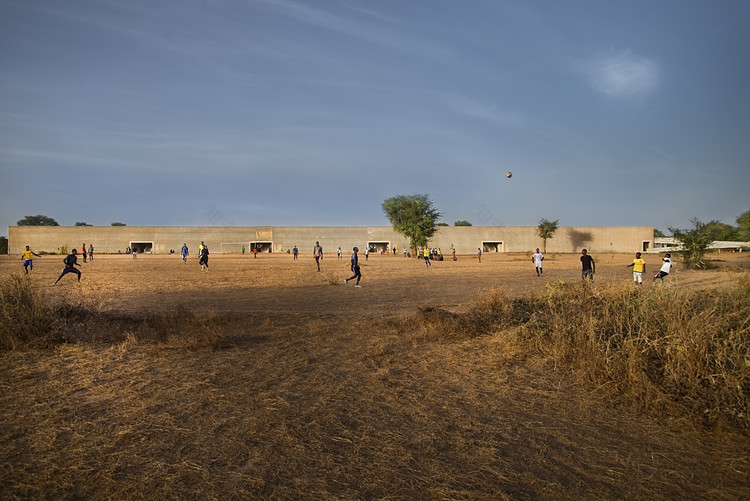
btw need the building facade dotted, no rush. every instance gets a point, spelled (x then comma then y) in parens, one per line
(231, 239)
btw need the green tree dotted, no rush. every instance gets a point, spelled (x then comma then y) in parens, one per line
(462, 223)
(743, 226)
(443, 224)
(658, 233)
(694, 243)
(716, 230)
(118, 224)
(79, 223)
(413, 216)
(38, 220)
(3, 245)
(545, 230)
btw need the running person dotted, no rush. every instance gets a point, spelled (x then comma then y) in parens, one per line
(356, 273)
(203, 259)
(71, 261)
(185, 253)
(666, 267)
(28, 264)
(537, 259)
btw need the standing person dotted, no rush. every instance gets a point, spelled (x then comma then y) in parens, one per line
(28, 264)
(666, 267)
(367, 254)
(356, 273)
(295, 252)
(479, 254)
(537, 259)
(185, 253)
(339, 252)
(318, 254)
(639, 268)
(588, 266)
(203, 258)
(255, 252)
(135, 252)
(91, 252)
(454, 255)
(426, 255)
(83, 251)
(243, 250)
(71, 261)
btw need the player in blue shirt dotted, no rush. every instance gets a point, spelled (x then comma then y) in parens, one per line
(355, 269)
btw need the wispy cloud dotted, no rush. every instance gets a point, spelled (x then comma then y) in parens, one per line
(622, 75)
(482, 111)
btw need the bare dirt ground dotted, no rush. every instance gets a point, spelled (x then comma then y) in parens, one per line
(321, 394)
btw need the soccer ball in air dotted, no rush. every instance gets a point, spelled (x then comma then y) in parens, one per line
(508, 174)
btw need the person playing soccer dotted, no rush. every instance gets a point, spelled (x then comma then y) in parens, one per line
(588, 266)
(426, 254)
(203, 258)
(71, 261)
(537, 259)
(356, 273)
(479, 254)
(28, 264)
(295, 253)
(185, 253)
(666, 267)
(83, 252)
(318, 254)
(639, 268)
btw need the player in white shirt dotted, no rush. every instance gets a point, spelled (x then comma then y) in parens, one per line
(665, 268)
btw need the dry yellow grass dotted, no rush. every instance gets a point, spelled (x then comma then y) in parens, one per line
(260, 379)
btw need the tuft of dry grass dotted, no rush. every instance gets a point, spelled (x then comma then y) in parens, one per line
(666, 350)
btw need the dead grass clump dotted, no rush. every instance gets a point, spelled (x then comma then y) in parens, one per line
(182, 328)
(664, 349)
(29, 320)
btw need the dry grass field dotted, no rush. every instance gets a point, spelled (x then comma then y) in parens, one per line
(264, 379)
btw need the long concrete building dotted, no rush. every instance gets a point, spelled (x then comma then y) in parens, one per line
(231, 239)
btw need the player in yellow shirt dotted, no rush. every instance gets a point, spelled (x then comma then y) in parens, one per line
(639, 268)
(28, 264)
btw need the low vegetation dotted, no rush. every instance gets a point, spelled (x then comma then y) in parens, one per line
(670, 352)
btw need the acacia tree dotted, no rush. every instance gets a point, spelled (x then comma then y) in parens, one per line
(38, 220)
(694, 242)
(413, 216)
(545, 230)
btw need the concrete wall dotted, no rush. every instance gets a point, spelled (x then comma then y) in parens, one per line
(223, 239)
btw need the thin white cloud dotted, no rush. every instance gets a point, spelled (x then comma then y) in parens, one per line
(482, 111)
(622, 75)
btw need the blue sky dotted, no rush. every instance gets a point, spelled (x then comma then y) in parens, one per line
(283, 112)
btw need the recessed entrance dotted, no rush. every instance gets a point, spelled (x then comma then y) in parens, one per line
(492, 247)
(142, 247)
(261, 246)
(379, 247)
